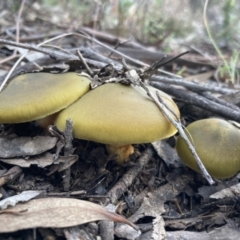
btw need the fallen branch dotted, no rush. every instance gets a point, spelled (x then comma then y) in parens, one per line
(192, 86)
(199, 101)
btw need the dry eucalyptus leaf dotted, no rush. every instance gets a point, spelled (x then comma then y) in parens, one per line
(227, 192)
(23, 197)
(62, 163)
(126, 232)
(159, 232)
(66, 161)
(207, 191)
(220, 233)
(25, 146)
(41, 161)
(77, 233)
(55, 213)
(182, 224)
(11, 175)
(167, 153)
(153, 204)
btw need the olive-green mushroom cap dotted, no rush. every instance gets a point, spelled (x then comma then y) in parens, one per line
(217, 142)
(36, 95)
(118, 114)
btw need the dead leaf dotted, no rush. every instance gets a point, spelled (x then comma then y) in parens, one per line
(227, 192)
(56, 213)
(167, 153)
(76, 233)
(23, 197)
(207, 191)
(25, 146)
(153, 204)
(123, 231)
(11, 175)
(226, 232)
(41, 161)
(159, 232)
(182, 223)
(66, 161)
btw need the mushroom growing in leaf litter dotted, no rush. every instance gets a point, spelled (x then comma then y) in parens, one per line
(217, 144)
(35, 96)
(119, 115)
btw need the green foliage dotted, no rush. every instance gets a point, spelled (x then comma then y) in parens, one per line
(124, 5)
(228, 68)
(155, 22)
(230, 21)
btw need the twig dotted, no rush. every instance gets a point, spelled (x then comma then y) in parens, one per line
(109, 38)
(24, 55)
(127, 57)
(68, 150)
(89, 53)
(39, 36)
(201, 53)
(220, 101)
(127, 179)
(14, 54)
(56, 47)
(30, 66)
(120, 44)
(18, 20)
(153, 69)
(9, 58)
(52, 53)
(191, 85)
(177, 124)
(199, 101)
(58, 55)
(38, 48)
(84, 63)
(96, 14)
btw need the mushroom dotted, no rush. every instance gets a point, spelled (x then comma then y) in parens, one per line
(35, 96)
(119, 115)
(216, 142)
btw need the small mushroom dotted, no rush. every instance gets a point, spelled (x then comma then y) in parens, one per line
(35, 96)
(119, 115)
(216, 142)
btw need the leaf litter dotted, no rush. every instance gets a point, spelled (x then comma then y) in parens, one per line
(55, 213)
(25, 146)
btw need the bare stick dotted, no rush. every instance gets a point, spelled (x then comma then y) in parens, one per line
(198, 100)
(84, 63)
(154, 79)
(68, 150)
(191, 85)
(24, 55)
(15, 55)
(63, 35)
(127, 57)
(120, 44)
(178, 126)
(18, 20)
(129, 176)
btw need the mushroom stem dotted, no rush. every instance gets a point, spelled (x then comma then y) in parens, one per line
(123, 151)
(46, 121)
